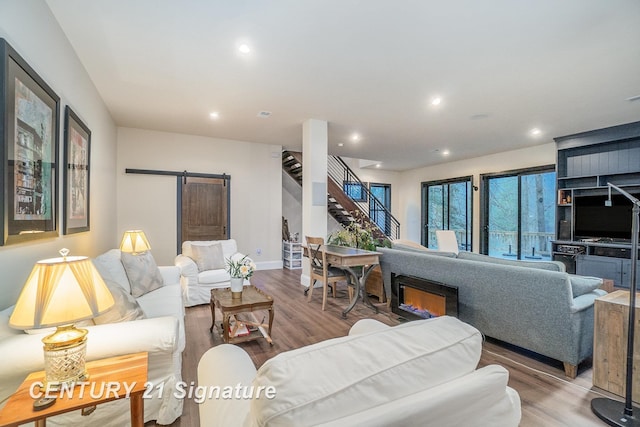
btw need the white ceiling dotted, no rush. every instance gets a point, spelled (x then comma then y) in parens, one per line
(502, 67)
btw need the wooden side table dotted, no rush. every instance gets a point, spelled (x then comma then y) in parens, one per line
(130, 370)
(611, 321)
(253, 299)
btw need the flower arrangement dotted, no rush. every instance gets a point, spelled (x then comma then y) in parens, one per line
(242, 268)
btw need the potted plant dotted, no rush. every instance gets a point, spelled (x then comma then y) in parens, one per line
(239, 270)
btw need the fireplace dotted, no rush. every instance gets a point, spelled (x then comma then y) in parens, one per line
(415, 298)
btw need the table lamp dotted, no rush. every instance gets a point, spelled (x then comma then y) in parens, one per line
(59, 292)
(134, 242)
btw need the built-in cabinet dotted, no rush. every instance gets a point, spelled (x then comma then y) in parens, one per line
(292, 255)
(586, 162)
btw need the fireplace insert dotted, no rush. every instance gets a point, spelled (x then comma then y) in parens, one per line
(415, 298)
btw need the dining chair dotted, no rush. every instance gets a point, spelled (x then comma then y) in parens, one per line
(321, 270)
(447, 241)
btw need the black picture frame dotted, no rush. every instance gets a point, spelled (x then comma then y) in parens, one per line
(29, 137)
(77, 174)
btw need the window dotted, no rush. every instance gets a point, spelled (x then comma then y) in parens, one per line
(519, 213)
(380, 206)
(355, 190)
(447, 205)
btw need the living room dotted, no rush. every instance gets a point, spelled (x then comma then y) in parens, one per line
(122, 201)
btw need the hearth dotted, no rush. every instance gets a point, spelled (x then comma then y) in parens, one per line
(415, 298)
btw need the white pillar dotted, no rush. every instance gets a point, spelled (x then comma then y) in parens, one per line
(315, 141)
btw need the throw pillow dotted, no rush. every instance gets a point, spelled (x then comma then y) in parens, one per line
(143, 273)
(125, 308)
(208, 257)
(581, 285)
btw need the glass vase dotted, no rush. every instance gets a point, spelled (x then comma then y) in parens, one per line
(237, 283)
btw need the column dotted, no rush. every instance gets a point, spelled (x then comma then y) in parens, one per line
(315, 139)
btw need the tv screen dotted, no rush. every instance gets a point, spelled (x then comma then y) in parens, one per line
(593, 219)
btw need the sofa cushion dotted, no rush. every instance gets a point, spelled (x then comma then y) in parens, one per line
(213, 276)
(409, 245)
(343, 376)
(142, 272)
(542, 265)
(124, 309)
(165, 301)
(208, 257)
(110, 268)
(581, 285)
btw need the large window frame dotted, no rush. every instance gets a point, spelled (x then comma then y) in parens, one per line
(374, 209)
(465, 244)
(485, 200)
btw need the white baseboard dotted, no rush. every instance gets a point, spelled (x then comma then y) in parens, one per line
(269, 265)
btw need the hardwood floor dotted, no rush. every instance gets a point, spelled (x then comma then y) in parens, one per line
(548, 397)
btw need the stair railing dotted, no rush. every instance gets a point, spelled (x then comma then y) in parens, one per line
(369, 204)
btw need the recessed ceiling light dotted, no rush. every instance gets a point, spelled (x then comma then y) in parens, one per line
(378, 165)
(355, 137)
(214, 115)
(340, 144)
(244, 48)
(436, 101)
(445, 152)
(535, 132)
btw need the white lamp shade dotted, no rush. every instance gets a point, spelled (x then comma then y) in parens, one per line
(61, 291)
(134, 241)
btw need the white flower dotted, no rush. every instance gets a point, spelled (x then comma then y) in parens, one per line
(242, 268)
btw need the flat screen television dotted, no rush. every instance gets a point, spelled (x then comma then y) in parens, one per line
(592, 219)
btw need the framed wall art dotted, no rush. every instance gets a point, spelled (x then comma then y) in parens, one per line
(29, 117)
(77, 155)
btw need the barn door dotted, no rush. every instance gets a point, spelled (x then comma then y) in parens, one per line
(204, 209)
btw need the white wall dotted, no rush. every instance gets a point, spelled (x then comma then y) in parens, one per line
(410, 189)
(31, 29)
(148, 202)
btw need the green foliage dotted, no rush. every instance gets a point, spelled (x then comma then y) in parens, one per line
(356, 235)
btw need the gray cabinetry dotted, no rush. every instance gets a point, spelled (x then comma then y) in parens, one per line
(586, 163)
(626, 273)
(601, 266)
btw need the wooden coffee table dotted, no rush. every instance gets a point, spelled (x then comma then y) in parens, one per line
(253, 299)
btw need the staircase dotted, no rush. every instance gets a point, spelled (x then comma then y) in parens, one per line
(339, 205)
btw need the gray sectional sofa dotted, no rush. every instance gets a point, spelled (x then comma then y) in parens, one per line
(533, 305)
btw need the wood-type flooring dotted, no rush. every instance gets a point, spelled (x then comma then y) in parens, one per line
(548, 397)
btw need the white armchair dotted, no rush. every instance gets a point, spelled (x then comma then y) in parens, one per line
(197, 284)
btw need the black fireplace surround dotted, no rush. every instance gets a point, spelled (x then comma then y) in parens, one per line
(401, 282)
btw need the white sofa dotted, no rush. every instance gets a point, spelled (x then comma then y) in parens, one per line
(197, 285)
(421, 373)
(161, 334)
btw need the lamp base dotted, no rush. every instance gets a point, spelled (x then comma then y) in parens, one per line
(64, 357)
(612, 412)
